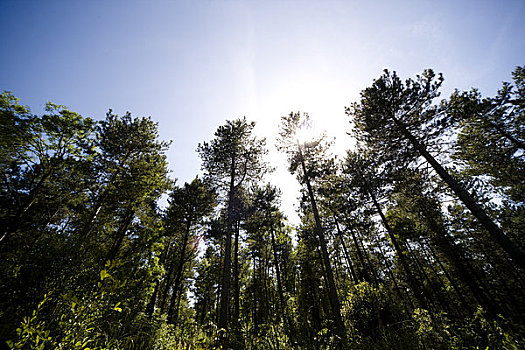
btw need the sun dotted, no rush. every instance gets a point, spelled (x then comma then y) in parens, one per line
(306, 131)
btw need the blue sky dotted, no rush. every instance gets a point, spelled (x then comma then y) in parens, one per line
(191, 65)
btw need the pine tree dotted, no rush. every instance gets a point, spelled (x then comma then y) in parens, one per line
(231, 159)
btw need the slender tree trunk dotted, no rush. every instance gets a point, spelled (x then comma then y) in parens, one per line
(462, 267)
(312, 296)
(236, 309)
(177, 309)
(517, 143)
(332, 291)
(204, 310)
(345, 251)
(366, 274)
(226, 272)
(402, 258)
(217, 305)
(266, 289)
(374, 277)
(99, 203)
(516, 254)
(179, 273)
(167, 286)
(277, 272)
(424, 277)
(254, 288)
(452, 282)
(88, 228)
(403, 297)
(340, 266)
(121, 234)
(150, 308)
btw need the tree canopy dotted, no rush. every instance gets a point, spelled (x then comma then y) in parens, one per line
(412, 240)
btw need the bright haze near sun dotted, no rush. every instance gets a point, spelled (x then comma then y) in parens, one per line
(193, 65)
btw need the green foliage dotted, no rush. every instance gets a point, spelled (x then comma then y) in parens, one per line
(89, 322)
(403, 231)
(233, 153)
(366, 310)
(426, 326)
(31, 332)
(480, 332)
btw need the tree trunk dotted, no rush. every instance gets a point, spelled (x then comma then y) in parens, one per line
(180, 273)
(517, 143)
(236, 308)
(516, 254)
(277, 272)
(226, 269)
(366, 273)
(462, 268)
(423, 275)
(121, 234)
(402, 258)
(332, 291)
(169, 277)
(345, 251)
(452, 282)
(406, 298)
(150, 308)
(374, 277)
(254, 289)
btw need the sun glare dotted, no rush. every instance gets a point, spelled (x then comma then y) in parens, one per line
(306, 131)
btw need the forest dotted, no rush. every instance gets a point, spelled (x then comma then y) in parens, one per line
(413, 240)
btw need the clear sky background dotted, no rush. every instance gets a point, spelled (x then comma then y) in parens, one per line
(191, 65)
